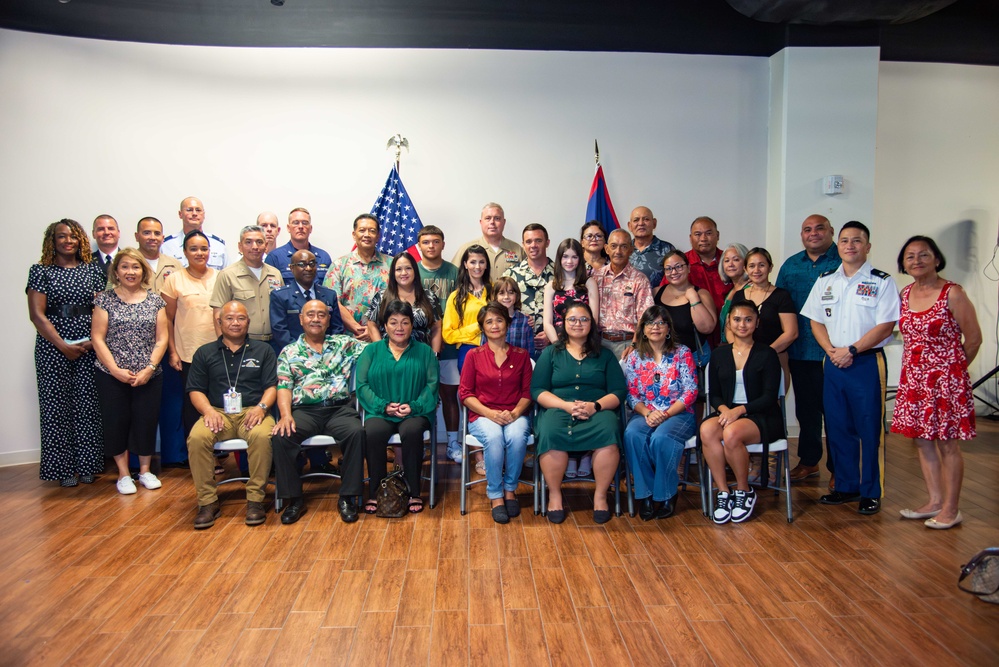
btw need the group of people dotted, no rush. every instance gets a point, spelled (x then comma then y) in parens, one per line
(272, 347)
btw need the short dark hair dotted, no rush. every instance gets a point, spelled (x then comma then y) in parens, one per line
(856, 224)
(703, 218)
(396, 307)
(138, 225)
(493, 307)
(429, 230)
(934, 248)
(368, 216)
(591, 347)
(535, 227)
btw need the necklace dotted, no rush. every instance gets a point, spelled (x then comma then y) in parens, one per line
(741, 353)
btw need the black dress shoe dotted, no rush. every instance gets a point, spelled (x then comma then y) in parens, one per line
(347, 508)
(838, 498)
(556, 516)
(293, 512)
(646, 509)
(667, 509)
(869, 505)
(601, 516)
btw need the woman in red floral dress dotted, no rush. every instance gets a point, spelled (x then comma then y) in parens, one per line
(934, 404)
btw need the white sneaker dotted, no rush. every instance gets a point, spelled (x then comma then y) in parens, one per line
(742, 505)
(150, 481)
(454, 451)
(723, 507)
(126, 486)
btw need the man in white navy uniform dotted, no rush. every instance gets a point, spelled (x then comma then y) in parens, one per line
(192, 215)
(853, 310)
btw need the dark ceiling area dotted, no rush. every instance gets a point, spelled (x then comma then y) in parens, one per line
(965, 31)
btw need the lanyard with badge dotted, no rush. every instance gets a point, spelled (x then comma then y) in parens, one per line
(232, 400)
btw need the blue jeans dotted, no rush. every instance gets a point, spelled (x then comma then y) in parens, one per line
(503, 449)
(654, 454)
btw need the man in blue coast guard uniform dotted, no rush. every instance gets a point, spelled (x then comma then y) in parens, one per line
(299, 229)
(853, 310)
(192, 215)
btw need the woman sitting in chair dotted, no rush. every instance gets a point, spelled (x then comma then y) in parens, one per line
(743, 387)
(397, 387)
(496, 389)
(662, 391)
(581, 386)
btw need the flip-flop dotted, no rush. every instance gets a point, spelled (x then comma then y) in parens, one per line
(371, 506)
(415, 505)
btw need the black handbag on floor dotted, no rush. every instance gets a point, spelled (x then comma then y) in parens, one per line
(393, 496)
(981, 575)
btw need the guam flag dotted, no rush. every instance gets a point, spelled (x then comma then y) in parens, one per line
(599, 207)
(397, 218)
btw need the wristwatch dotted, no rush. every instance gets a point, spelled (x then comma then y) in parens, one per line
(853, 350)
(596, 406)
(262, 406)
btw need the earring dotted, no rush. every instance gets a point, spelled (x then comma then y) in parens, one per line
(669, 336)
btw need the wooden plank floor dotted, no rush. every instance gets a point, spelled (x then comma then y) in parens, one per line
(89, 577)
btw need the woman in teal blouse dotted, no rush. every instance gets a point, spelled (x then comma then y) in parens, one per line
(580, 384)
(397, 387)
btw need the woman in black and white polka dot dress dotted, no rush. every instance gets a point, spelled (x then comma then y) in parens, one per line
(61, 290)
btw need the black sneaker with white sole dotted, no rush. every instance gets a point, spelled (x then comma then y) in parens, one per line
(723, 507)
(742, 505)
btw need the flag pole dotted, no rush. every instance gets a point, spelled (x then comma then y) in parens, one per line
(397, 143)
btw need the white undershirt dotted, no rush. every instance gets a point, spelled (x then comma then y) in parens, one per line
(255, 271)
(739, 396)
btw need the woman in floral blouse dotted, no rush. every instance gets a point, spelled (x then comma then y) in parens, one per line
(662, 390)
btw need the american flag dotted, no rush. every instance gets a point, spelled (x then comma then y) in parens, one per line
(397, 218)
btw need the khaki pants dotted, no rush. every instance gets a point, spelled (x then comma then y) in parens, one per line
(200, 454)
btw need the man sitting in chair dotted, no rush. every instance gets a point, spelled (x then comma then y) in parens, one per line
(313, 378)
(232, 384)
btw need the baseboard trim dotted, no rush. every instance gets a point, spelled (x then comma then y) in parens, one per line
(19, 457)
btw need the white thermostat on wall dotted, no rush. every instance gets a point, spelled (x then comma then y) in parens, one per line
(832, 185)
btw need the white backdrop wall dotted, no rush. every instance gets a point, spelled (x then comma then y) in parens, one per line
(938, 174)
(129, 129)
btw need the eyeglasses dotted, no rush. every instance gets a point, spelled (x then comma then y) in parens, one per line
(305, 265)
(658, 324)
(593, 237)
(577, 320)
(675, 268)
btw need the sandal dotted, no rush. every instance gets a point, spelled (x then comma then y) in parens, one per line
(415, 505)
(585, 466)
(570, 469)
(219, 470)
(371, 506)
(480, 467)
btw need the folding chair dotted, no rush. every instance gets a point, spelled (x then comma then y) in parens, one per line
(314, 441)
(234, 445)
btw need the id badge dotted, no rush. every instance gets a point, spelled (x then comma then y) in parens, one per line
(232, 402)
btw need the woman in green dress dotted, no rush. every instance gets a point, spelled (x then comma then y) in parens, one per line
(580, 385)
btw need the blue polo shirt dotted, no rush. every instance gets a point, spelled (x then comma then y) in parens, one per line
(797, 275)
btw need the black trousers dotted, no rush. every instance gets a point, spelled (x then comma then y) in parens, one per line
(344, 425)
(189, 415)
(130, 414)
(806, 380)
(410, 431)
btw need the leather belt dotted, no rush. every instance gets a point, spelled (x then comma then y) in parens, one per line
(617, 336)
(261, 337)
(69, 310)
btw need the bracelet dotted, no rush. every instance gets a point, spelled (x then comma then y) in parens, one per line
(694, 303)
(151, 365)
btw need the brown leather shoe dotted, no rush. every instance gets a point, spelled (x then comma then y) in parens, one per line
(207, 515)
(255, 513)
(800, 472)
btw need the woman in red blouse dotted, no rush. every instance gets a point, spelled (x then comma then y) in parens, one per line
(496, 389)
